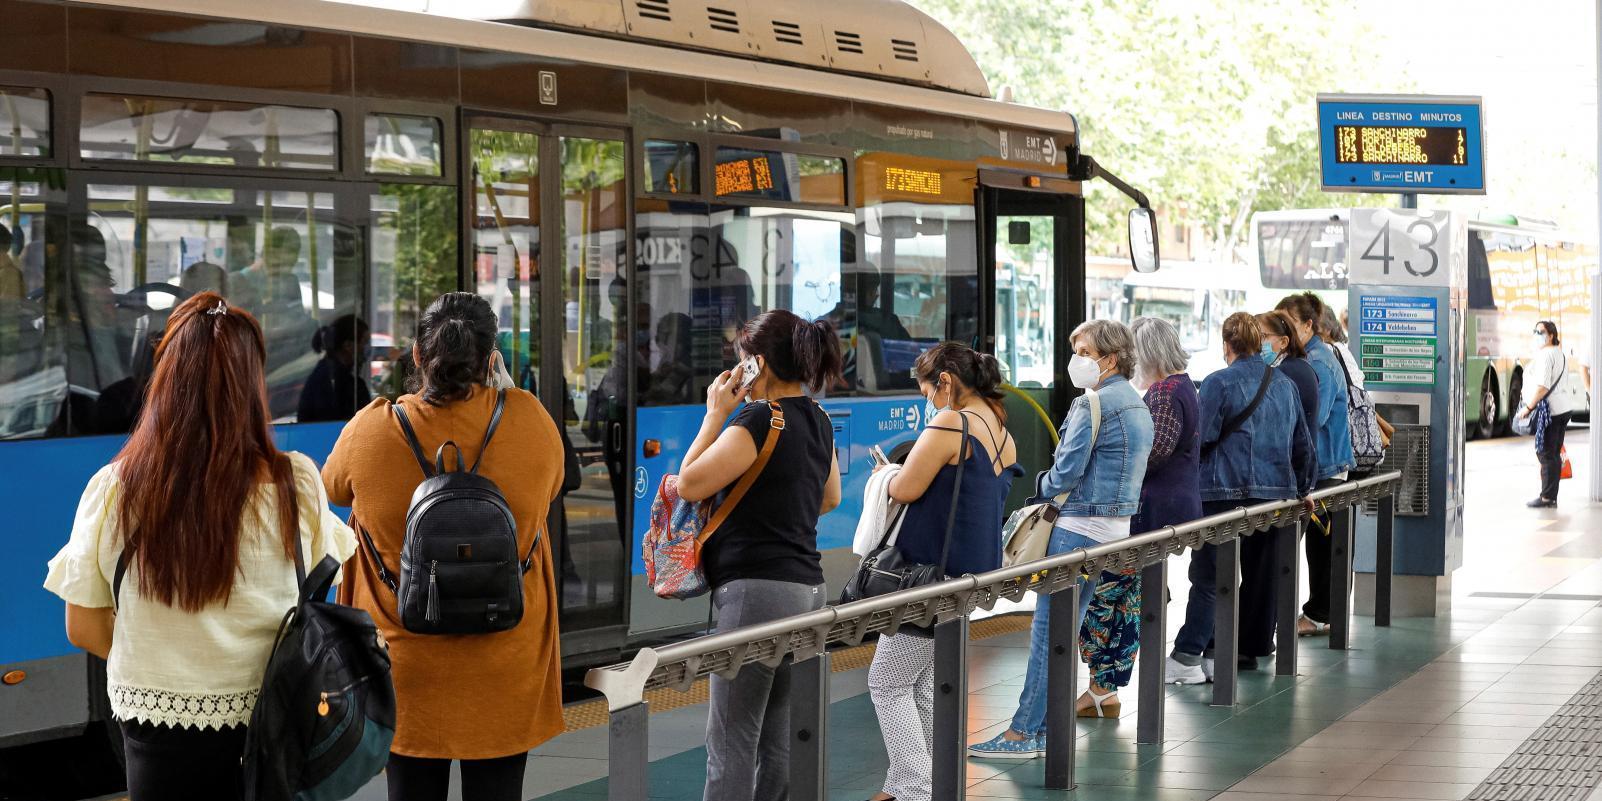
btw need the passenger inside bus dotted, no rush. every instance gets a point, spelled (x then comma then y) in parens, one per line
(12, 286)
(334, 391)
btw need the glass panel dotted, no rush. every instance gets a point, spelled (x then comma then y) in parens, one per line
(672, 168)
(1026, 270)
(595, 359)
(413, 261)
(402, 145)
(1302, 254)
(33, 375)
(281, 255)
(24, 122)
(209, 132)
(506, 241)
(916, 281)
(772, 175)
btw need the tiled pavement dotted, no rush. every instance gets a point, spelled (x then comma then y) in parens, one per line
(1424, 709)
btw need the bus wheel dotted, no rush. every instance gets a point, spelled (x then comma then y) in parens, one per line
(1515, 398)
(1485, 426)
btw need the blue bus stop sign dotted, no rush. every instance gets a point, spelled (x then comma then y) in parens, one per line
(1401, 143)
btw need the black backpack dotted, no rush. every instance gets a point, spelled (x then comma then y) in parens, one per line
(324, 720)
(325, 715)
(460, 572)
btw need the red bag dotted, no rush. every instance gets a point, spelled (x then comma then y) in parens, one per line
(1568, 469)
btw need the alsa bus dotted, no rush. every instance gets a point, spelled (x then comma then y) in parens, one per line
(627, 185)
(1520, 270)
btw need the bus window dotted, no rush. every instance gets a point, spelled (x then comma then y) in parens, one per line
(33, 377)
(24, 122)
(281, 255)
(211, 132)
(916, 276)
(1302, 254)
(1025, 319)
(412, 261)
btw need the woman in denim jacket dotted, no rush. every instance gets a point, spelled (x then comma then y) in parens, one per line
(1269, 457)
(1332, 442)
(1099, 483)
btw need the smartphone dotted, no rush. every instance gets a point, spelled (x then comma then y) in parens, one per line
(748, 373)
(877, 454)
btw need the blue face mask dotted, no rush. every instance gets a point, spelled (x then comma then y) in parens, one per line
(930, 410)
(1269, 355)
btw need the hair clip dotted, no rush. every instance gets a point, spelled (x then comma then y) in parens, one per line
(220, 308)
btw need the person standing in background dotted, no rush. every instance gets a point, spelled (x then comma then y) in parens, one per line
(1552, 404)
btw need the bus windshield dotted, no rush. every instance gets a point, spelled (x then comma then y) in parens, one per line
(1302, 254)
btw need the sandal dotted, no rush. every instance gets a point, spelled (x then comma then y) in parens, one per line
(1308, 627)
(1100, 706)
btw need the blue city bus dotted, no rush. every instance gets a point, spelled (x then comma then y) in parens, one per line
(625, 188)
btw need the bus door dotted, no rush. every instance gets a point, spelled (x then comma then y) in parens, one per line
(1032, 288)
(548, 241)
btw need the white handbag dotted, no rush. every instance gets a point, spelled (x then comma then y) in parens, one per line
(1028, 531)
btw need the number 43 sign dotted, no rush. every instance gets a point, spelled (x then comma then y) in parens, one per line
(1402, 246)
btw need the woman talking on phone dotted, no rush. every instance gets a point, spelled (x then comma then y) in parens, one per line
(763, 562)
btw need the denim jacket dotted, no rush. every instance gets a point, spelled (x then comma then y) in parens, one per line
(1270, 457)
(1332, 442)
(1103, 481)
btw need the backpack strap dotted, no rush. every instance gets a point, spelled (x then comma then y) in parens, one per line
(775, 428)
(411, 439)
(1233, 424)
(390, 580)
(489, 433)
(528, 558)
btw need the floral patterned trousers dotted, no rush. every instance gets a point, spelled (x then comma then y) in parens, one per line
(1110, 636)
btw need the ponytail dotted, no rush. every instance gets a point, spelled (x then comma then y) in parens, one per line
(795, 349)
(979, 373)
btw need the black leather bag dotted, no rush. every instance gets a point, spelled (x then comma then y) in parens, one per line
(887, 570)
(461, 572)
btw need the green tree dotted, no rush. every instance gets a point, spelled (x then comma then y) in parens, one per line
(1205, 106)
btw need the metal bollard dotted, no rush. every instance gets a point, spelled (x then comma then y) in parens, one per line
(1226, 623)
(1287, 594)
(1062, 687)
(628, 758)
(809, 727)
(949, 757)
(1384, 560)
(1340, 579)
(1153, 651)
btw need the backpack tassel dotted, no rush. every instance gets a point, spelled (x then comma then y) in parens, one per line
(431, 611)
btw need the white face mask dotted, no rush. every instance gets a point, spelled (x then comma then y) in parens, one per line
(1083, 371)
(1540, 341)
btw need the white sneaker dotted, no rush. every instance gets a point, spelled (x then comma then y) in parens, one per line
(1208, 668)
(1177, 673)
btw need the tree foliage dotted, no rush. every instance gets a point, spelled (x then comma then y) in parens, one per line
(1208, 108)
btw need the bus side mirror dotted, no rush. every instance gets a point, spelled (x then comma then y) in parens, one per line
(1143, 240)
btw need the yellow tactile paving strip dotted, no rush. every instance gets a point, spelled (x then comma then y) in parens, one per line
(592, 713)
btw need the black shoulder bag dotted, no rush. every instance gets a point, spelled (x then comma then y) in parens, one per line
(1233, 424)
(887, 570)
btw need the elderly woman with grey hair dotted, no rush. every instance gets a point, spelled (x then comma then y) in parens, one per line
(1095, 480)
(1109, 639)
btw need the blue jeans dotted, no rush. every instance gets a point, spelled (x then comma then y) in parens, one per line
(1196, 635)
(1031, 717)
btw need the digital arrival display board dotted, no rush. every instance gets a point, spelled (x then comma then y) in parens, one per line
(1401, 143)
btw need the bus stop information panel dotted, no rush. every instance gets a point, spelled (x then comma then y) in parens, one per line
(1376, 143)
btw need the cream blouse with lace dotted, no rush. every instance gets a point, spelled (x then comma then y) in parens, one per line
(200, 669)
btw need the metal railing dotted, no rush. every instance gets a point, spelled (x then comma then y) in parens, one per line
(805, 639)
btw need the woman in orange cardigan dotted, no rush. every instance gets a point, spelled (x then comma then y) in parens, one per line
(484, 699)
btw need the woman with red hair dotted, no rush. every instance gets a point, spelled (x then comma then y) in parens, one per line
(181, 562)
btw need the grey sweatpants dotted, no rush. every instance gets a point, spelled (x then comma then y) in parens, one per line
(748, 726)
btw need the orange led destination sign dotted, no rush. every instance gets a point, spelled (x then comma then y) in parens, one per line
(918, 182)
(743, 176)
